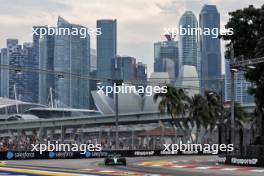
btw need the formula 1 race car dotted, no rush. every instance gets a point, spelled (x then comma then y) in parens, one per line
(115, 159)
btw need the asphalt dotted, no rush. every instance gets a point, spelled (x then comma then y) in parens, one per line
(168, 165)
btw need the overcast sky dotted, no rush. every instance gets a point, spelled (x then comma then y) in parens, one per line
(140, 23)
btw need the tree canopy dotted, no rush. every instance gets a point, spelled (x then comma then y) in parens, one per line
(248, 41)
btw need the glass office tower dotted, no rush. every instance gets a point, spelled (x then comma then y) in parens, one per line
(72, 55)
(166, 58)
(46, 62)
(210, 50)
(124, 68)
(241, 86)
(106, 49)
(188, 42)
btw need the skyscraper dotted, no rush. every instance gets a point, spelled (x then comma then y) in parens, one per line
(32, 77)
(124, 68)
(22, 84)
(188, 42)
(166, 58)
(166, 65)
(241, 86)
(72, 55)
(141, 73)
(93, 70)
(17, 79)
(4, 74)
(36, 59)
(93, 60)
(106, 48)
(210, 50)
(12, 46)
(46, 62)
(14, 78)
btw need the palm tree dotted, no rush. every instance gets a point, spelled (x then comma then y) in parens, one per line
(205, 111)
(241, 116)
(174, 102)
(216, 108)
(199, 113)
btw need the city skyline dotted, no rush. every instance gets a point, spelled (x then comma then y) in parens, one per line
(134, 36)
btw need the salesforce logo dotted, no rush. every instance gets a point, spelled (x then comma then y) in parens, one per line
(88, 154)
(9, 155)
(52, 154)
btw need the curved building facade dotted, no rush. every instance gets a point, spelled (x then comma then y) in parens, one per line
(9, 107)
(189, 80)
(131, 102)
(188, 41)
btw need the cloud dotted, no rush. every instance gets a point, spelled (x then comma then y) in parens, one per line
(25, 7)
(140, 22)
(176, 6)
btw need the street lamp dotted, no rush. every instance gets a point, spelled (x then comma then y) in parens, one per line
(117, 83)
(244, 65)
(232, 117)
(220, 114)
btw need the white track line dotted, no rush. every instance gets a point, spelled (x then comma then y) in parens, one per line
(229, 169)
(156, 165)
(202, 167)
(178, 166)
(257, 170)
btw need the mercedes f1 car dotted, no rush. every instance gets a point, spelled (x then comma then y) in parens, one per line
(115, 159)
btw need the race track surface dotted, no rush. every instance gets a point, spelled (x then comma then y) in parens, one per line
(141, 166)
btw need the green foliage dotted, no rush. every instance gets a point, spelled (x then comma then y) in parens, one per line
(203, 111)
(241, 116)
(248, 41)
(173, 102)
(199, 111)
(247, 25)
